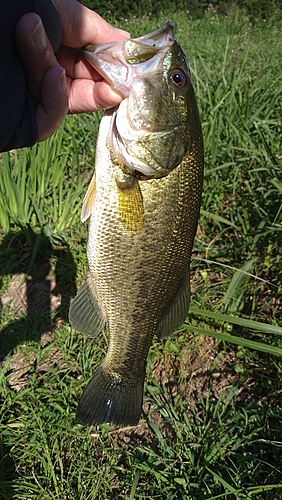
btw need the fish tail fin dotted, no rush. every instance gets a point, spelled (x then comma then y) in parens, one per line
(109, 398)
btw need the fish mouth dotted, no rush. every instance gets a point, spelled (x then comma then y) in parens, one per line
(116, 61)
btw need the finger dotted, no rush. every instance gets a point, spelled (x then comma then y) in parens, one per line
(54, 102)
(35, 50)
(82, 26)
(88, 91)
(87, 95)
(75, 64)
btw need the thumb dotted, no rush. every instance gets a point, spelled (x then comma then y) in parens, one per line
(53, 107)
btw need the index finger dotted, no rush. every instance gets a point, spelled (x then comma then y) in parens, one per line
(82, 26)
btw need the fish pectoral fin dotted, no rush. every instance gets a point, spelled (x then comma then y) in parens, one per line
(177, 312)
(130, 202)
(85, 315)
(89, 199)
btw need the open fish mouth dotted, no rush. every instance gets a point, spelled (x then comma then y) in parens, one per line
(113, 60)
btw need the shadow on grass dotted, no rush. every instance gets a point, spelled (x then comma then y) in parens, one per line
(42, 286)
(43, 282)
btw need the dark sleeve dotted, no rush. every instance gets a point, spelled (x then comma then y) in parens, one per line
(17, 106)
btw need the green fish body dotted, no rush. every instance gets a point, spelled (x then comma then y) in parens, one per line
(143, 203)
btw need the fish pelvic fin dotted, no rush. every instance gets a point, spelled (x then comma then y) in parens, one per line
(85, 315)
(110, 398)
(89, 199)
(177, 312)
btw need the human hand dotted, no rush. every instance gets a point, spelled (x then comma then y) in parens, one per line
(88, 91)
(65, 82)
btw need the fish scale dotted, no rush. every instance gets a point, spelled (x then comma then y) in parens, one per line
(143, 218)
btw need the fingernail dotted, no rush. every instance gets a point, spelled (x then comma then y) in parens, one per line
(123, 32)
(39, 36)
(62, 81)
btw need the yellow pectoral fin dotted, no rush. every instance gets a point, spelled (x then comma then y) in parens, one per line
(89, 199)
(130, 202)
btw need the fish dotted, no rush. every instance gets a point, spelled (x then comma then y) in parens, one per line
(143, 202)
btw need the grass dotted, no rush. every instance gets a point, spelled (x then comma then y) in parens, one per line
(211, 422)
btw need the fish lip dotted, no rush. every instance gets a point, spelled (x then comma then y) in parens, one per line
(92, 48)
(166, 30)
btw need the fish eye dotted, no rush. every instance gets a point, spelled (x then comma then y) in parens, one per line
(178, 78)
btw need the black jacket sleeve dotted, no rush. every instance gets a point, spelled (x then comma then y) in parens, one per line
(17, 106)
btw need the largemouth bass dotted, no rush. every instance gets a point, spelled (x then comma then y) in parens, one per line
(143, 203)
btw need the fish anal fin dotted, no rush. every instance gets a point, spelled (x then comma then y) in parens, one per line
(89, 199)
(130, 202)
(85, 315)
(177, 312)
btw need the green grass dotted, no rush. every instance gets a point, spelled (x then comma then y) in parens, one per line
(211, 422)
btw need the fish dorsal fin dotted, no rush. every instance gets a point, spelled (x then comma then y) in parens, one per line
(177, 312)
(130, 202)
(85, 315)
(89, 199)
